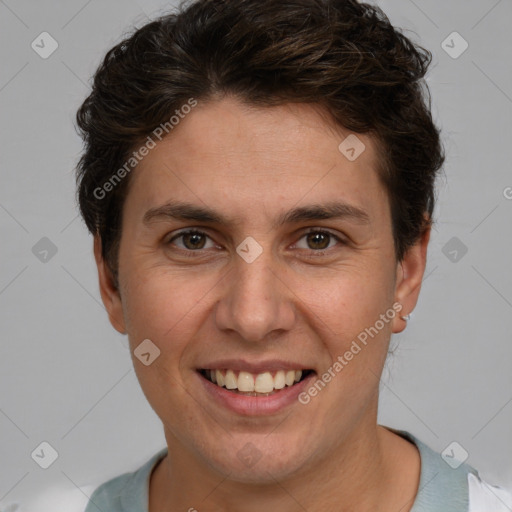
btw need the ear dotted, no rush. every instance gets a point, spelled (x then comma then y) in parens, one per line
(109, 293)
(409, 278)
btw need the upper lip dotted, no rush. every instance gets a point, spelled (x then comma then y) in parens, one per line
(268, 365)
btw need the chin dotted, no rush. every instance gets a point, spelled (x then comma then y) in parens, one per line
(258, 459)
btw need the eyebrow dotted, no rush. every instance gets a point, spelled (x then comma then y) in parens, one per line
(179, 210)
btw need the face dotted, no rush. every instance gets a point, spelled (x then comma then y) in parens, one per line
(262, 287)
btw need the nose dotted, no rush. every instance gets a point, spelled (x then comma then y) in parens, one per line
(255, 302)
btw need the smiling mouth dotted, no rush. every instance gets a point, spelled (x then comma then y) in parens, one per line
(249, 384)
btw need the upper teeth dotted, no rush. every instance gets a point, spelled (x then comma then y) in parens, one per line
(261, 382)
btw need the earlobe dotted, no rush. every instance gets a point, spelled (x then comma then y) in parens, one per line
(410, 273)
(110, 294)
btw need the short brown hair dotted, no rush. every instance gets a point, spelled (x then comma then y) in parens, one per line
(339, 54)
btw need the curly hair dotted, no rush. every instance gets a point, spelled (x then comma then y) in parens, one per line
(342, 55)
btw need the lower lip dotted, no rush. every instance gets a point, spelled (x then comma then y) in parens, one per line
(255, 405)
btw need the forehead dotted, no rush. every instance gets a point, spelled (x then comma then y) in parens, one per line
(237, 156)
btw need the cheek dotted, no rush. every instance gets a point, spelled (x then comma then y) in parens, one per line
(159, 305)
(164, 308)
(357, 341)
(348, 318)
(347, 301)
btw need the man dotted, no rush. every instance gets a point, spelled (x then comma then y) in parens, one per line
(259, 180)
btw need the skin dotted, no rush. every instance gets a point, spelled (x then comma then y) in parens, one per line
(251, 164)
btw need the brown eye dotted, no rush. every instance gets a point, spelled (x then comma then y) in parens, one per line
(319, 240)
(192, 240)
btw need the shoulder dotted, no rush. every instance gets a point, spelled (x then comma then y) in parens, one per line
(79, 499)
(118, 494)
(449, 484)
(484, 497)
(125, 491)
(109, 494)
(54, 499)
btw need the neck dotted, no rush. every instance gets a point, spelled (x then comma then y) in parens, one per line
(357, 474)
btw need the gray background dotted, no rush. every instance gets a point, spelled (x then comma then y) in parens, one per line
(66, 375)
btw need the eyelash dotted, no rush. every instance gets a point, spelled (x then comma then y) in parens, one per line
(189, 253)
